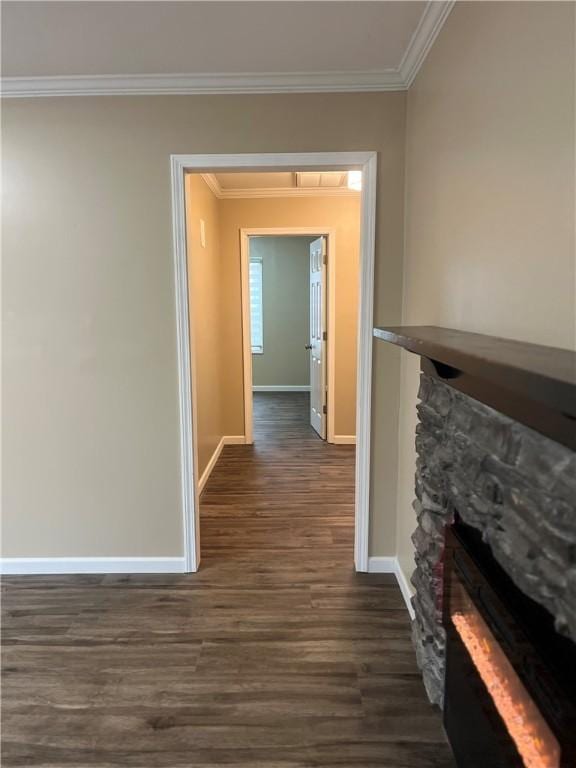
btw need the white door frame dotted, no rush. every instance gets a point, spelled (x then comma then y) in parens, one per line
(314, 161)
(245, 235)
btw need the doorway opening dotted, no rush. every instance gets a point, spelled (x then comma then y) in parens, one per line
(288, 321)
(364, 162)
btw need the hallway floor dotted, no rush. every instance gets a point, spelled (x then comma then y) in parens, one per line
(275, 655)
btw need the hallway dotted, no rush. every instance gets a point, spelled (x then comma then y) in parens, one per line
(288, 491)
(275, 655)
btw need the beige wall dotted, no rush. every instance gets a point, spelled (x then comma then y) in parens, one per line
(206, 309)
(490, 190)
(90, 395)
(340, 213)
(285, 310)
(90, 408)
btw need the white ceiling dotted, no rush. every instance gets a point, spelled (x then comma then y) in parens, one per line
(137, 38)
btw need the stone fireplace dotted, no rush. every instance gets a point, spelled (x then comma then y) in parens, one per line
(515, 486)
(495, 545)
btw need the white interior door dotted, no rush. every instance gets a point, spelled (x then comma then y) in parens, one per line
(317, 345)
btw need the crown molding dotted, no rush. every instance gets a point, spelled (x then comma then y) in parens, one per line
(213, 184)
(263, 192)
(195, 84)
(232, 194)
(430, 24)
(393, 79)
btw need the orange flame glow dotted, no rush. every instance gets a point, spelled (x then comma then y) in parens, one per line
(534, 740)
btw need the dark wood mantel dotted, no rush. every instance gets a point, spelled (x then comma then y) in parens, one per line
(533, 384)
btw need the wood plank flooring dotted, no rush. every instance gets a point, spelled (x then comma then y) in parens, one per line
(275, 655)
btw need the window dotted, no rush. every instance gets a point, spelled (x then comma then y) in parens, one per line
(256, 319)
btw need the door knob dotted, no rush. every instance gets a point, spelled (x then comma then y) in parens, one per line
(308, 346)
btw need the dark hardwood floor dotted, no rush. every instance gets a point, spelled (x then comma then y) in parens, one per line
(275, 655)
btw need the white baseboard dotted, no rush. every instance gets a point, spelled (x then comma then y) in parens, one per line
(405, 588)
(210, 466)
(226, 440)
(382, 564)
(281, 388)
(72, 565)
(234, 439)
(392, 565)
(344, 439)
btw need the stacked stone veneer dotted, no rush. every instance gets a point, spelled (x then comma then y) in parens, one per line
(511, 483)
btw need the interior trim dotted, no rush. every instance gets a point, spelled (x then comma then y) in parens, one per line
(245, 234)
(393, 79)
(225, 440)
(205, 83)
(181, 164)
(430, 24)
(392, 565)
(74, 565)
(210, 466)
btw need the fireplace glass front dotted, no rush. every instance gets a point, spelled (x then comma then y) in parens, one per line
(508, 696)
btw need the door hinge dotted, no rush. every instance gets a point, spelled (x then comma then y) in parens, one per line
(324, 336)
(324, 409)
